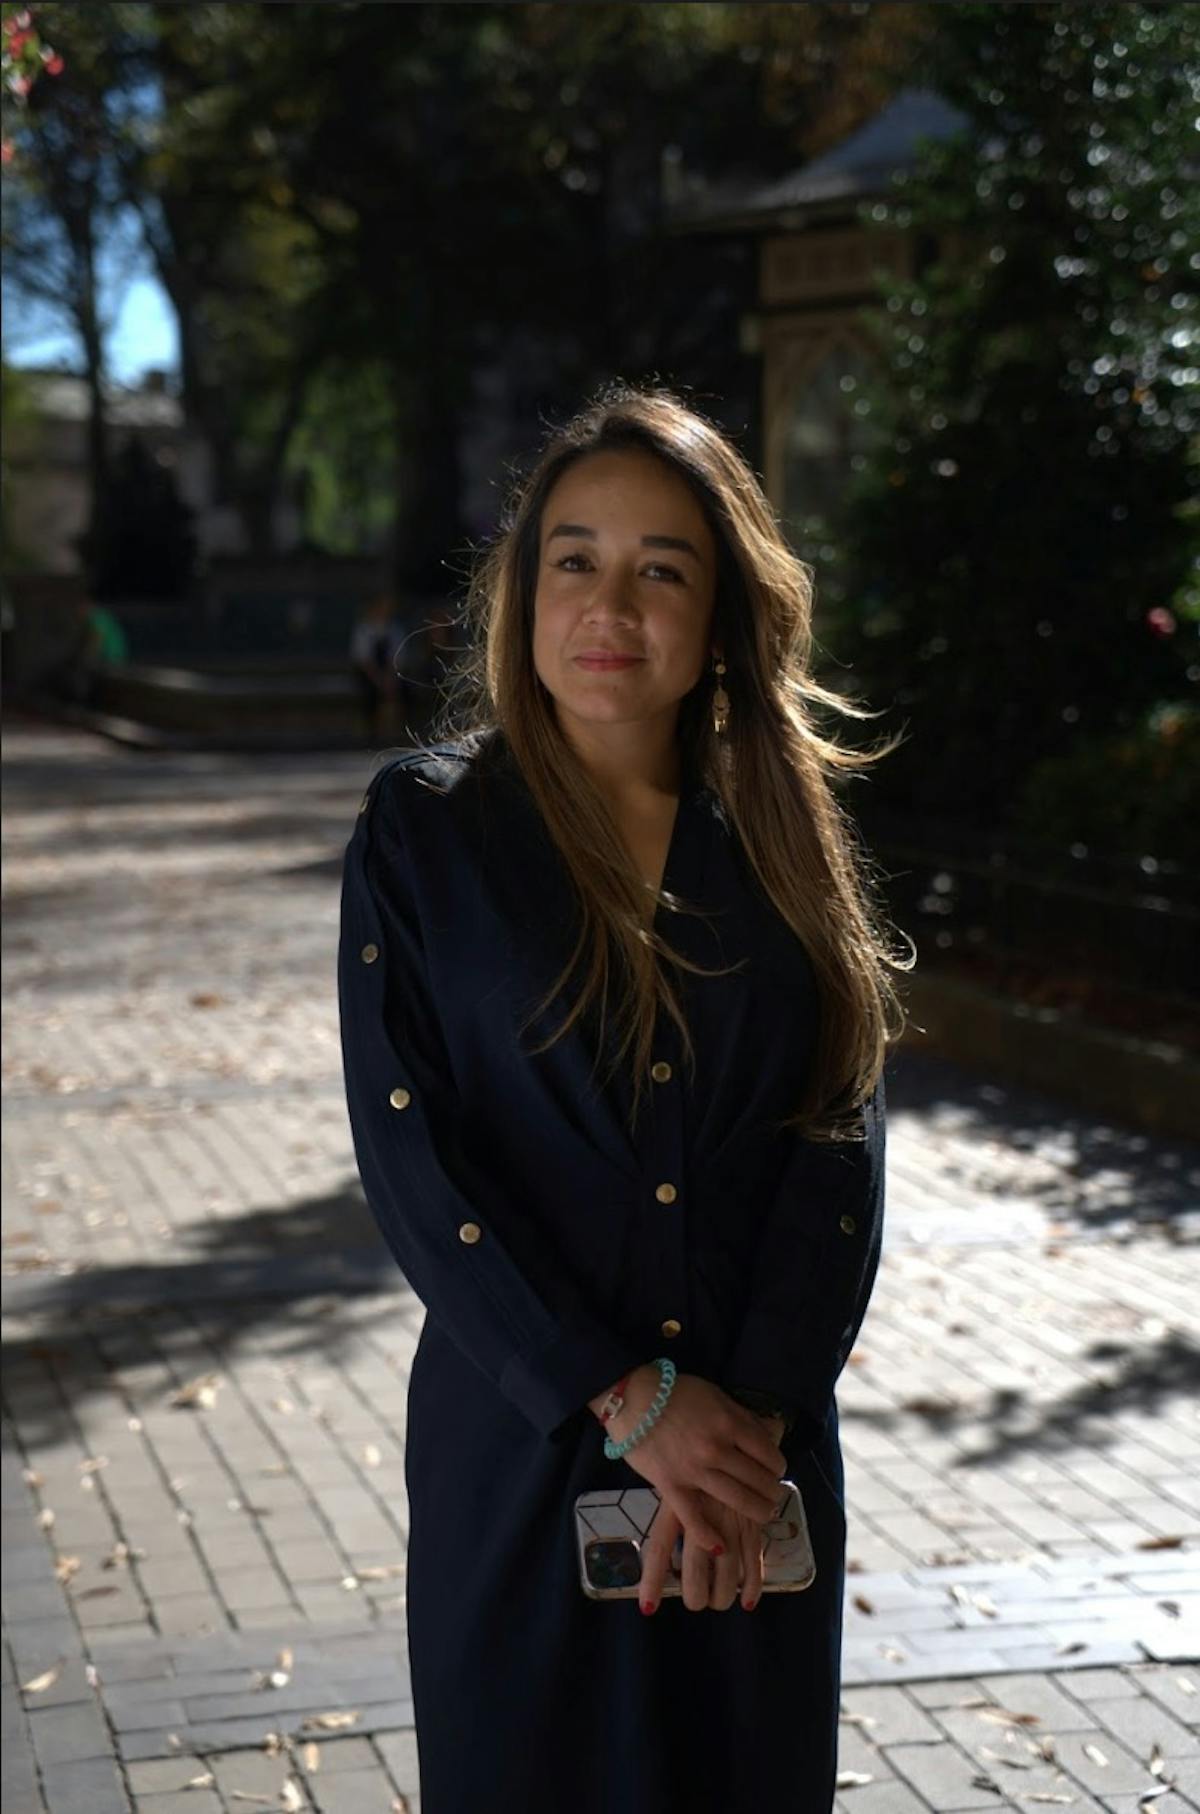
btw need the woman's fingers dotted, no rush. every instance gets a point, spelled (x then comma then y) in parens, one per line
(754, 1440)
(756, 1499)
(656, 1556)
(726, 1572)
(753, 1544)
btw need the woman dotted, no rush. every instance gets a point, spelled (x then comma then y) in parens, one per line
(633, 823)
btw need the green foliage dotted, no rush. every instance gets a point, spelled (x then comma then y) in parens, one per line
(1019, 557)
(401, 187)
(1132, 796)
(344, 447)
(18, 409)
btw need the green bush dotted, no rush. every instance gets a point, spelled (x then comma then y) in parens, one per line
(1131, 795)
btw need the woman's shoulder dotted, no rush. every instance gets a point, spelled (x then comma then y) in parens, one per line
(454, 771)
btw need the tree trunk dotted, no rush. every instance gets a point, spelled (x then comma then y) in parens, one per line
(428, 466)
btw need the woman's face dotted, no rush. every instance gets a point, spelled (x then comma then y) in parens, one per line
(627, 564)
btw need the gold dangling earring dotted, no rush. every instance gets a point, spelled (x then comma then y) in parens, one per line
(720, 700)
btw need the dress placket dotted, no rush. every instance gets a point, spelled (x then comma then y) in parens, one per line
(666, 1177)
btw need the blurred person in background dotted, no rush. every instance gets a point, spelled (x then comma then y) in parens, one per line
(96, 642)
(373, 647)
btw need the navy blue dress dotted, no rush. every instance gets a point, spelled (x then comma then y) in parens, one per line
(524, 1216)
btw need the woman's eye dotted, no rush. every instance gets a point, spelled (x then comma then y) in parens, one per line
(656, 566)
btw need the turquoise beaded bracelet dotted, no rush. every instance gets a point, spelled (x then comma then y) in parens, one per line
(666, 1370)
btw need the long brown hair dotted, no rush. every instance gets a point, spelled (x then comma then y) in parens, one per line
(772, 769)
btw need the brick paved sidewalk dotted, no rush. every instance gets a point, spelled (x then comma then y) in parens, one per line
(206, 1353)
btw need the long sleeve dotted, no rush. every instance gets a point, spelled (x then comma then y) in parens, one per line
(814, 1272)
(452, 1228)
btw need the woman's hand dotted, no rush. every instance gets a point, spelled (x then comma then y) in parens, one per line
(707, 1581)
(716, 1467)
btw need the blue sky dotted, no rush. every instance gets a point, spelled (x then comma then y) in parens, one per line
(143, 335)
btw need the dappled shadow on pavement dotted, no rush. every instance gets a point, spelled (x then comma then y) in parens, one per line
(283, 1278)
(1142, 1377)
(1089, 1173)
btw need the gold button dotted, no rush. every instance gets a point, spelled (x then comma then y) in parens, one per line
(671, 1327)
(847, 1225)
(370, 953)
(399, 1099)
(666, 1193)
(661, 1072)
(470, 1232)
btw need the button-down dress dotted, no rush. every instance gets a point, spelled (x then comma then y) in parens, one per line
(553, 1250)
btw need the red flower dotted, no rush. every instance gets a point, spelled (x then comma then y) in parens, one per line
(54, 65)
(1161, 621)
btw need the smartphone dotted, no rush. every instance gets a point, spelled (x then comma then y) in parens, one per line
(611, 1526)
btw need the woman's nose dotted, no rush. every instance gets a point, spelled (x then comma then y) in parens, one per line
(612, 595)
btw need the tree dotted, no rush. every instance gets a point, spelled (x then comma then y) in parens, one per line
(61, 199)
(405, 187)
(1018, 558)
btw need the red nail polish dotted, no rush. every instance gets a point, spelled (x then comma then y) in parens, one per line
(647, 1606)
(749, 1605)
(718, 1549)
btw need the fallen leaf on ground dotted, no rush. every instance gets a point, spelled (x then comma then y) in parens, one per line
(1007, 1718)
(330, 1722)
(199, 1393)
(39, 1683)
(119, 1555)
(998, 1757)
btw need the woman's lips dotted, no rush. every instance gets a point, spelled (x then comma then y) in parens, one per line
(603, 662)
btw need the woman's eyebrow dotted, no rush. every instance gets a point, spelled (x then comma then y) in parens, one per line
(648, 541)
